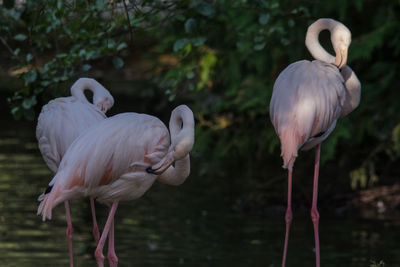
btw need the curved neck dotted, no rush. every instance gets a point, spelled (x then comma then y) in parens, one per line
(312, 42)
(176, 175)
(83, 84)
(353, 91)
(181, 127)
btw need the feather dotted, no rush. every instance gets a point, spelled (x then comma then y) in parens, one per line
(307, 99)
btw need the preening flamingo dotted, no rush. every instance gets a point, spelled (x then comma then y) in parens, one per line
(307, 100)
(61, 121)
(119, 159)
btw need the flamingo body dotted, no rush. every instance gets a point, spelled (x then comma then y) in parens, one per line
(306, 102)
(114, 170)
(60, 122)
(63, 119)
(118, 159)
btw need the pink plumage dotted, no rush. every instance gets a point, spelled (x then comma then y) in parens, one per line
(120, 158)
(61, 121)
(307, 100)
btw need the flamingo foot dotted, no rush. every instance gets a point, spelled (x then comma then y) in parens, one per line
(98, 254)
(112, 259)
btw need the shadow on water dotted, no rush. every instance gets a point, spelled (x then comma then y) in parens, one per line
(190, 225)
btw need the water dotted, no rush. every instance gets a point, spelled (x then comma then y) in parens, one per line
(190, 225)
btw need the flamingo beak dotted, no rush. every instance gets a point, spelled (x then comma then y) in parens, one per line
(341, 58)
(161, 166)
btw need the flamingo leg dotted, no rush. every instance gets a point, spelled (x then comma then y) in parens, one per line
(69, 232)
(96, 233)
(288, 217)
(314, 210)
(111, 255)
(98, 254)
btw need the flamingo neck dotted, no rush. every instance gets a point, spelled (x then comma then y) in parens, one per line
(312, 43)
(176, 175)
(181, 127)
(83, 84)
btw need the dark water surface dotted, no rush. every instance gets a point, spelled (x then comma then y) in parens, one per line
(190, 225)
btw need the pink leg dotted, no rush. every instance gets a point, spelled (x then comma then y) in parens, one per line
(96, 233)
(69, 232)
(288, 217)
(314, 210)
(99, 250)
(111, 255)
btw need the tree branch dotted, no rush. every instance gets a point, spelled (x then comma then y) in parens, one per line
(129, 22)
(6, 45)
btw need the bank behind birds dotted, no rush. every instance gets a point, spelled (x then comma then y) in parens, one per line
(113, 160)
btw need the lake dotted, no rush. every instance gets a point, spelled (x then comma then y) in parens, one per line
(190, 225)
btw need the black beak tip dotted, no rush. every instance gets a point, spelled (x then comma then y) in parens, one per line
(150, 170)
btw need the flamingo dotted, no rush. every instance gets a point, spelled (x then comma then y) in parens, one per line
(61, 121)
(119, 159)
(307, 100)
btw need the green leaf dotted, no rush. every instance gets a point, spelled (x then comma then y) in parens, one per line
(199, 41)
(121, 46)
(29, 102)
(45, 83)
(17, 112)
(87, 67)
(30, 76)
(20, 37)
(179, 44)
(16, 51)
(205, 9)
(264, 18)
(62, 55)
(118, 62)
(259, 47)
(29, 57)
(190, 25)
(190, 75)
(100, 5)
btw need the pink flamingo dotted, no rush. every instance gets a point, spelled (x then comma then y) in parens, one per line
(119, 159)
(307, 100)
(61, 121)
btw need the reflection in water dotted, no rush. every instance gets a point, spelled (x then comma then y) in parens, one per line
(190, 225)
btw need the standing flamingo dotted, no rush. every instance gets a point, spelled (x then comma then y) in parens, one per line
(307, 100)
(61, 121)
(119, 159)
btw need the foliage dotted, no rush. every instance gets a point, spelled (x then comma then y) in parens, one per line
(377, 264)
(53, 41)
(222, 56)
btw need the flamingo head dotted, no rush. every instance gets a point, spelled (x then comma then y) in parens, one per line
(341, 39)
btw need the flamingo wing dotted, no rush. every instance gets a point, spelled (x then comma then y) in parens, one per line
(59, 123)
(306, 102)
(110, 150)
